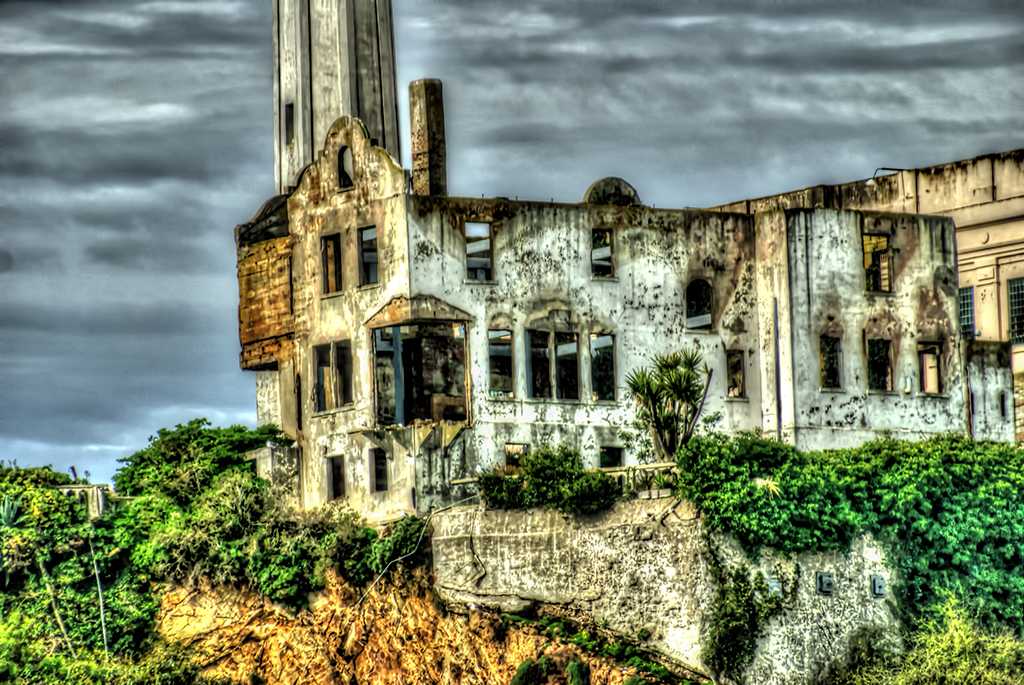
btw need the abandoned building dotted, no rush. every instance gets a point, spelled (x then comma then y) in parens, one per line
(403, 338)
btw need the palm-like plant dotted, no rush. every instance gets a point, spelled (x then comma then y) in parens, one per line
(669, 398)
(9, 517)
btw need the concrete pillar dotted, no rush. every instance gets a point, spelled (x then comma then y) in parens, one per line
(426, 111)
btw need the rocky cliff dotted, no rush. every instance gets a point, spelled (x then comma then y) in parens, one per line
(401, 633)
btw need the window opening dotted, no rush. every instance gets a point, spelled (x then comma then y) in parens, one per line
(514, 453)
(1002, 405)
(343, 365)
(831, 362)
(879, 364)
(1015, 292)
(602, 367)
(367, 255)
(380, 469)
(931, 367)
(337, 467)
(502, 380)
(567, 368)
(289, 123)
(967, 313)
(734, 373)
(877, 263)
(322, 364)
(601, 263)
(478, 251)
(539, 361)
(610, 457)
(298, 401)
(698, 305)
(330, 263)
(345, 167)
(420, 373)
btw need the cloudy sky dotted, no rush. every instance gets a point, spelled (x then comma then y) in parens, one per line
(135, 135)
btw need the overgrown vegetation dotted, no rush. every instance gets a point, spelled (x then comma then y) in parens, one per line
(199, 512)
(550, 477)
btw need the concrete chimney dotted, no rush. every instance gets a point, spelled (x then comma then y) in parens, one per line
(426, 110)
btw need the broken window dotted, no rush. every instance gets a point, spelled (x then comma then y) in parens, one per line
(967, 313)
(367, 255)
(336, 466)
(698, 305)
(502, 380)
(601, 264)
(877, 263)
(611, 457)
(379, 463)
(734, 373)
(567, 368)
(538, 360)
(330, 263)
(514, 453)
(478, 251)
(420, 373)
(879, 364)
(345, 168)
(931, 367)
(831, 362)
(602, 367)
(324, 389)
(1015, 298)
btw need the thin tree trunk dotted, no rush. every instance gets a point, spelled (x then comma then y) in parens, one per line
(56, 611)
(99, 586)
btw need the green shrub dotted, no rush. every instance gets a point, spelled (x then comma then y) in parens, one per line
(405, 537)
(577, 673)
(528, 673)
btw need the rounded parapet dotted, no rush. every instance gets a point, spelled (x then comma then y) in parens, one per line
(611, 191)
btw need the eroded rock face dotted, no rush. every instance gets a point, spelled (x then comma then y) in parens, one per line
(400, 634)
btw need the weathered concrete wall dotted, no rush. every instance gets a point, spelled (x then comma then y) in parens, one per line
(990, 378)
(268, 398)
(638, 567)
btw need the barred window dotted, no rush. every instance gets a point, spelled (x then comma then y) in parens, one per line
(1015, 287)
(967, 313)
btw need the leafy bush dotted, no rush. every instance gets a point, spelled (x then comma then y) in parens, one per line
(577, 673)
(550, 477)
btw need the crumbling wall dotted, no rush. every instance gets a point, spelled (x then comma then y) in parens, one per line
(265, 307)
(990, 379)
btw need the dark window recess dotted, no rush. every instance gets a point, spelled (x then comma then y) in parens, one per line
(343, 365)
(478, 251)
(380, 469)
(337, 466)
(499, 350)
(610, 457)
(1002, 405)
(698, 305)
(929, 357)
(967, 313)
(345, 167)
(602, 367)
(734, 373)
(324, 389)
(367, 255)
(601, 263)
(877, 263)
(289, 124)
(1015, 298)
(831, 362)
(514, 453)
(879, 364)
(420, 373)
(330, 263)
(538, 360)
(567, 367)
(298, 401)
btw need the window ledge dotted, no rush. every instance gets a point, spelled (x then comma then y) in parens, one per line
(832, 391)
(549, 400)
(883, 393)
(336, 293)
(737, 399)
(609, 279)
(336, 410)
(604, 403)
(934, 395)
(880, 293)
(498, 398)
(474, 281)
(369, 286)
(701, 331)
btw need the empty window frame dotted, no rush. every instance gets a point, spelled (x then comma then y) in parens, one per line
(514, 453)
(478, 251)
(552, 356)
(538, 361)
(967, 313)
(602, 367)
(734, 373)
(610, 457)
(567, 367)
(1015, 299)
(698, 305)
(368, 255)
(333, 375)
(501, 382)
(602, 264)
(289, 123)
(336, 466)
(379, 466)
(330, 263)
(880, 364)
(831, 362)
(930, 360)
(877, 263)
(324, 390)
(345, 167)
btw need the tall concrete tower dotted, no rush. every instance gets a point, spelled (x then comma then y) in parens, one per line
(332, 58)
